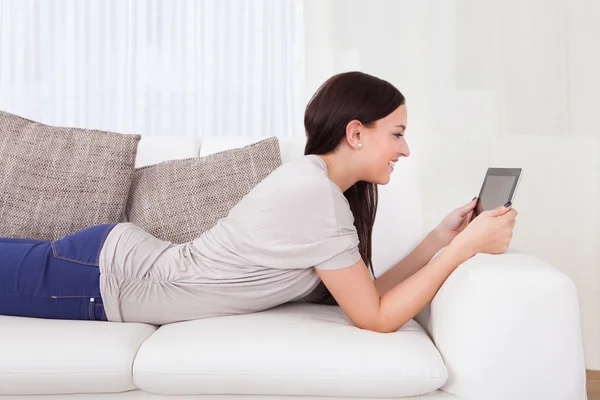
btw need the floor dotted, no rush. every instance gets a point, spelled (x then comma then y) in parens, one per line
(593, 385)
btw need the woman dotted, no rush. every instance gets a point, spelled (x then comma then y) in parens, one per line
(300, 234)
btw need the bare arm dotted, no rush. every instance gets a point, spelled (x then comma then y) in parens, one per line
(355, 291)
(412, 263)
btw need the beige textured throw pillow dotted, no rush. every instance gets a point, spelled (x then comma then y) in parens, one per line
(179, 200)
(55, 181)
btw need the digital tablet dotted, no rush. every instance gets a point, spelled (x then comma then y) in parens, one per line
(499, 186)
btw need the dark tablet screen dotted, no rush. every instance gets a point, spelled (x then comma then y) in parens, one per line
(499, 187)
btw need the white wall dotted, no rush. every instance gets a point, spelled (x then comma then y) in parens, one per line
(507, 84)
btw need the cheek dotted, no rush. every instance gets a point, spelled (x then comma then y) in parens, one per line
(380, 150)
(378, 161)
(378, 154)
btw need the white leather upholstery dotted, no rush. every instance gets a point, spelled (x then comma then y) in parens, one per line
(140, 395)
(130, 395)
(155, 149)
(303, 349)
(40, 356)
(437, 395)
(508, 327)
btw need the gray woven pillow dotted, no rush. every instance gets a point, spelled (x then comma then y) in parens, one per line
(179, 200)
(55, 181)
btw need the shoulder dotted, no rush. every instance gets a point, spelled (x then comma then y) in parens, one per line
(308, 182)
(298, 191)
(302, 178)
(307, 169)
(307, 189)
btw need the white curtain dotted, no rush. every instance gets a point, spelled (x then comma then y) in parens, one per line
(180, 67)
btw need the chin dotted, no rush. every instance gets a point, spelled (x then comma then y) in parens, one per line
(385, 181)
(381, 180)
(379, 176)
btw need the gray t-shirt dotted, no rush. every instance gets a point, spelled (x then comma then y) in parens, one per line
(262, 254)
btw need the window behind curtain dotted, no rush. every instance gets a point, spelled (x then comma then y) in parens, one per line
(193, 68)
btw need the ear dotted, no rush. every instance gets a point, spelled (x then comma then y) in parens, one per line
(353, 135)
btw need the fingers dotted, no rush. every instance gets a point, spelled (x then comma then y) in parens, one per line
(510, 215)
(497, 212)
(467, 220)
(469, 206)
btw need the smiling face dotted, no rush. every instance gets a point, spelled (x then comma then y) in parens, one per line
(383, 143)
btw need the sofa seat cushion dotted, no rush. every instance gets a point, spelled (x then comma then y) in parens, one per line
(42, 356)
(293, 349)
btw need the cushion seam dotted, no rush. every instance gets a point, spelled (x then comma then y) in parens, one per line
(296, 375)
(66, 372)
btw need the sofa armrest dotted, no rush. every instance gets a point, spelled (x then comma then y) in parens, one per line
(507, 327)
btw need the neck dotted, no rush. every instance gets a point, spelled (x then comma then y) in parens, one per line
(339, 170)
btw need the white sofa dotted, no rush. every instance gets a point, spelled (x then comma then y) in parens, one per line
(501, 327)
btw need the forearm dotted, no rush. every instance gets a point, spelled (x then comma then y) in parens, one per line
(404, 301)
(412, 263)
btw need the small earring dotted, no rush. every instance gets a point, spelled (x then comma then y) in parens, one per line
(360, 145)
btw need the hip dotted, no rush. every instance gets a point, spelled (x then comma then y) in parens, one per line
(53, 279)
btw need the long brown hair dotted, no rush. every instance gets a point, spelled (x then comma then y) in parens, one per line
(342, 98)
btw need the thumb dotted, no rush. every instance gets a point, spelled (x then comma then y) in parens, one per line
(496, 212)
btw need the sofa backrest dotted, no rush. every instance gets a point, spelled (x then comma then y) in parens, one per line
(156, 149)
(398, 226)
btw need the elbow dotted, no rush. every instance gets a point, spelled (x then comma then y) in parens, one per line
(377, 328)
(381, 324)
(380, 329)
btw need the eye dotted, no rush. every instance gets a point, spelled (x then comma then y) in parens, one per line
(398, 135)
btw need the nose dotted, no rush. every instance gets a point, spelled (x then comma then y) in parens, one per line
(404, 150)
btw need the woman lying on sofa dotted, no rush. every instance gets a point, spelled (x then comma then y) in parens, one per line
(275, 246)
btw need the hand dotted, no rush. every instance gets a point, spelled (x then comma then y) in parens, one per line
(491, 232)
(455, 222)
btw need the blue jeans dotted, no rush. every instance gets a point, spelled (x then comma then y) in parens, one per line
(57, 279)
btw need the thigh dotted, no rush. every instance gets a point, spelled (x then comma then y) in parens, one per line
(72, 308)
(21, 241)
(59, 268)
(20, 262)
